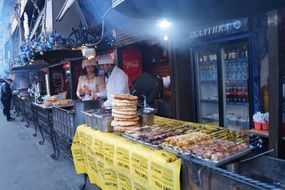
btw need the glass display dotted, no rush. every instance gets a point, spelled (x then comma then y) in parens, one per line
(208, 86)
(236, 85)
(232, 62)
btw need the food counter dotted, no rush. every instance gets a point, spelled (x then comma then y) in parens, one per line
(148, 157)
(113, 162)
(196, 171)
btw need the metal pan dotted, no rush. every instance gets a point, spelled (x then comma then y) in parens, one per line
(141, 142)
(175, 150)
(225, 160)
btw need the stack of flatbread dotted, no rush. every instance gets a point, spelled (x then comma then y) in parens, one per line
(124, 111)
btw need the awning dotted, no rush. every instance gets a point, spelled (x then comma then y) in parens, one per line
(53, 56)
(48, 58)
(67, 4)
(193, 9)
(29, 67)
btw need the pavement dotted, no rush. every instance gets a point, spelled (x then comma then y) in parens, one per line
(27, 165)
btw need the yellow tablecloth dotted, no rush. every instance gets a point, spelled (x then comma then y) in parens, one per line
(113, 162)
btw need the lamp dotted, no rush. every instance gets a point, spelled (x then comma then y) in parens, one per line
(89, 53)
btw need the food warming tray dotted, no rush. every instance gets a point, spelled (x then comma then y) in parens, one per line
(141, 142)
(208, 161)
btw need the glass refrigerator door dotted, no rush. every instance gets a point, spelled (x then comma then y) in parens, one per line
(235, 73)
(207, 86)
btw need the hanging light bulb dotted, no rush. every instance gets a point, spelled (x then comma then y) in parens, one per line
(165, 37)
(163, 23)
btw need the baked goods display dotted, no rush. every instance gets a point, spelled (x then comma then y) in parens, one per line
(124, 111)
(49, 101)
(62, 102)
(54, 101)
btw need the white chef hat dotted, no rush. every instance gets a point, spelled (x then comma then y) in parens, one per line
(88, 62)
(105, 59)
(166, 81)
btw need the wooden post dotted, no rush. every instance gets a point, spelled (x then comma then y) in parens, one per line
(276, 71)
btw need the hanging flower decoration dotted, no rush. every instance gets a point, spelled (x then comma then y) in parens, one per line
(39, 45)
(54, 40)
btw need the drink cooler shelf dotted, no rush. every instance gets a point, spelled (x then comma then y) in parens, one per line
(230, 103)
(229, 121)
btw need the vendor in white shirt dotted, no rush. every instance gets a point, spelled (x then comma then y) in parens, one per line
(90, 85)
(116, 79)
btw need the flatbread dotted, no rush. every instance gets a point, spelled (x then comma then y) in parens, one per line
(124, 103)
(124, 97)
(129, 119)
(125, 108)
(124, 123)
(124, 112)
(124, 116)
(123, 129)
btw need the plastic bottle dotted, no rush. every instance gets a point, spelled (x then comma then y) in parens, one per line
(227, 93)
(240, 94)
(234, 93)
(231, 98)
(244, 94)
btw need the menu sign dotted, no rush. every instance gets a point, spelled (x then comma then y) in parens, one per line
(225, 28)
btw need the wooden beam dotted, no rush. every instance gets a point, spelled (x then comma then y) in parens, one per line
(275, 84)
(183, 98)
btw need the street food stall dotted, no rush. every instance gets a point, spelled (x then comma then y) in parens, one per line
(116, 149)
(153, 156)
(127, 148)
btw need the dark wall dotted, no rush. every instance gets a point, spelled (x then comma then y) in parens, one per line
(183, 85)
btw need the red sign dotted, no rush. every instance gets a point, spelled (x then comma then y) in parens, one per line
(132, 63)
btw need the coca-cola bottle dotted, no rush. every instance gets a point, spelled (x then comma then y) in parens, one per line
(228, 93)
(234, 93)
(245, 94)
(239, 94)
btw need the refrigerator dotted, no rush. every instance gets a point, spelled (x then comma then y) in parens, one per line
(222, 87)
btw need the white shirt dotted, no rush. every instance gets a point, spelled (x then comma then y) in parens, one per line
(92, 83)
(117, 83)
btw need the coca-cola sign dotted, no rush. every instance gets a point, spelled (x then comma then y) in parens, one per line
(132, 63)
(229, 27)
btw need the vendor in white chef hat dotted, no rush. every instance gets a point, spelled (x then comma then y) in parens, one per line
(116, 79)
(90, 85)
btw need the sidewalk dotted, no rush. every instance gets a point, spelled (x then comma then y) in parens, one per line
(27, 165)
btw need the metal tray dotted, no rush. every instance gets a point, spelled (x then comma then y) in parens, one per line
(207, 161)
(141, 142)
(227, 159)
(175, 150)
(63, 105)
(42, 106)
